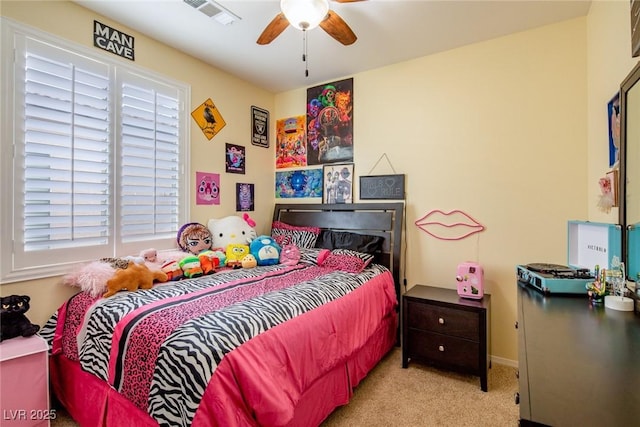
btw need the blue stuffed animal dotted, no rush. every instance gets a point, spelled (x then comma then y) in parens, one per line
(265, 250)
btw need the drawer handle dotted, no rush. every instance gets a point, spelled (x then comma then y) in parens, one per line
(441, 347)
(441, 320)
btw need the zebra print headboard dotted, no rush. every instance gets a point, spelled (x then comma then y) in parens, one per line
(381, 219)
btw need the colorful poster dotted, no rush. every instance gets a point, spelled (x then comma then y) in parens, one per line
(234, 158)
(208, 119)
(291, 145)
(207, 188)
(244, 197)
(330, 123)
(300, 183)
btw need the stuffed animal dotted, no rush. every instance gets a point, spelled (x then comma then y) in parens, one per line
(13, 322)
(196, 239)
(265, 250)
(191, 266)
(249, 261)
(149, 255)
(231, 230)
(208, 261)
(235, 253)
(135, 276)
(290, 254)
(173, 270)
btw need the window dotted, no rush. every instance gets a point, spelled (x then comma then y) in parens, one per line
(93, 156)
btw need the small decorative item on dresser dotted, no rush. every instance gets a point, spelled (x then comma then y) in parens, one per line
(447, 331)
(470, 278)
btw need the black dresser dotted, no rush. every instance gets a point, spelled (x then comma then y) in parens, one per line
(579, 364)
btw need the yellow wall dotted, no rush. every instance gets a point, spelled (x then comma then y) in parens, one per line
(496, 129)
(232, 96)
(513, 131)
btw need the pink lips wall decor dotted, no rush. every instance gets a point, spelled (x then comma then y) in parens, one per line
(452, 225)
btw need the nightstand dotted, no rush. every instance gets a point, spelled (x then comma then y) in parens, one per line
(447, 331)
(24, 382)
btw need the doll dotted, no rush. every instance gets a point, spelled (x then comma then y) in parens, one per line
(195, 239)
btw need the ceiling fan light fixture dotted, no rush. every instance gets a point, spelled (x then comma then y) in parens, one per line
(304, 14)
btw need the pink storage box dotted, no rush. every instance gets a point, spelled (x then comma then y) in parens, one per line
(24, 382)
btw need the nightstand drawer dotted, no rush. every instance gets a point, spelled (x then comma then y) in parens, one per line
(443, 320)
(444, 349)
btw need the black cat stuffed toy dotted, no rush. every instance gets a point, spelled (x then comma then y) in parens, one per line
(13, 322)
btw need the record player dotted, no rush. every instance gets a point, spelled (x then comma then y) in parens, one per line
(589, 244)
(555, 278)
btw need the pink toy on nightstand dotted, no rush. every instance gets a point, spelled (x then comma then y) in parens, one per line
(470, 278)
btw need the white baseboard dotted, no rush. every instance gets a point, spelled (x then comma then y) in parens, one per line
(503, 361)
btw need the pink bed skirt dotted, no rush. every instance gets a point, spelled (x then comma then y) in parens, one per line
(92, 402)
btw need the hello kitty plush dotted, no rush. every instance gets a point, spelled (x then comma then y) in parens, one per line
(231, 230)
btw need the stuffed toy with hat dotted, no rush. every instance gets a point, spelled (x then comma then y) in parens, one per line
(135, 276)
(13, 322)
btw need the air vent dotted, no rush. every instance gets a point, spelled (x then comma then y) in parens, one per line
(214, 10)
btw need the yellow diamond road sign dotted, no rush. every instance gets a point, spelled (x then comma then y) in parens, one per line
(208, 118)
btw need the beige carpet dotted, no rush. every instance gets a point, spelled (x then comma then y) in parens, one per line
(420, 396)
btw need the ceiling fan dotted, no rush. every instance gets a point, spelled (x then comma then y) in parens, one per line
(305, 15)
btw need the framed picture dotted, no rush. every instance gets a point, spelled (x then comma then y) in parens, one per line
(207, 188)
(299, 183)
(337, 184)
(330, 123)
(235, 158)
(613, 110)
(260, 127)
(244, 197)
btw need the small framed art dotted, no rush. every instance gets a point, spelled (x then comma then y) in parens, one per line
(337, 183)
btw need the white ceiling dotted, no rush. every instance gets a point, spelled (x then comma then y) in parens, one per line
(389, 31)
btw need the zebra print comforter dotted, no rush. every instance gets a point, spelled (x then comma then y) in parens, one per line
(257, 338)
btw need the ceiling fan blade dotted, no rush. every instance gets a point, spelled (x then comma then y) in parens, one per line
(273, 30)
(335, 26)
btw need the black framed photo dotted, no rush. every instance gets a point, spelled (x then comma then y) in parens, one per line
(337, 183)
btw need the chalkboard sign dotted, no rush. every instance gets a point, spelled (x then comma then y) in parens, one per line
(388, 187)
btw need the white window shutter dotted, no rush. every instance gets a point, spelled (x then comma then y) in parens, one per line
(93, 156)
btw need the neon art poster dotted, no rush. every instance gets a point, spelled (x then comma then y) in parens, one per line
(300, 183)
(244, 197)
(207, 188)
(330, 123)
(291, 144)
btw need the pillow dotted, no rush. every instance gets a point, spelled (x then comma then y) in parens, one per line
(365, 243)
(310, 255)
(287, 234)
(366, 258)
(346, 260)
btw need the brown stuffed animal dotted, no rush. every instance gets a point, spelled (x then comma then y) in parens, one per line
(135, 276)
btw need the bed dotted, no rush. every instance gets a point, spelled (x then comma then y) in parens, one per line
(274, 345)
